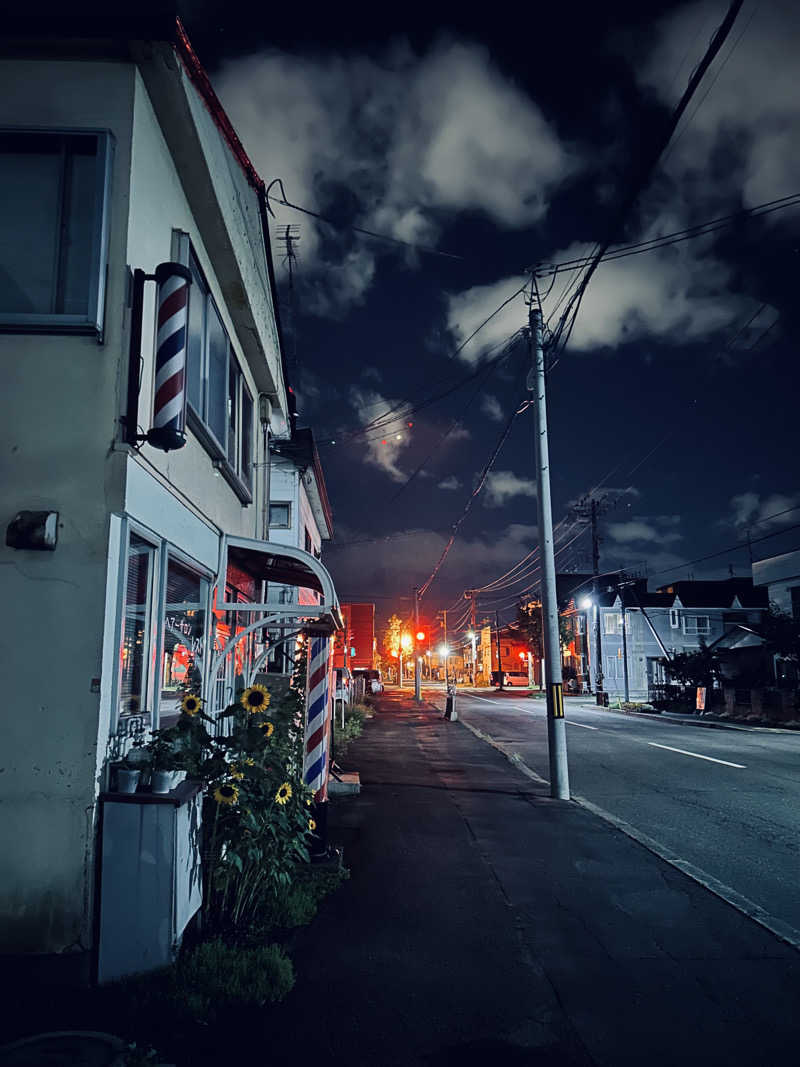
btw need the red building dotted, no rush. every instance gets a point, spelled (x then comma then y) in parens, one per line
(358, 634)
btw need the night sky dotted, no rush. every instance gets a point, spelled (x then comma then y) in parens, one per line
(506, 140)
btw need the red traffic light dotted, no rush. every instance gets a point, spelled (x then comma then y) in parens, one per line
(421, 635)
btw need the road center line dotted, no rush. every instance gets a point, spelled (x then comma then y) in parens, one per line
(571, 722)
(683, 752)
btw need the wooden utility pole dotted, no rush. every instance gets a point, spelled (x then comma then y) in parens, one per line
(598, 654)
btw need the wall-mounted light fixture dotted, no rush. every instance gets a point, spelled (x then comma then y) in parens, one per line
(36, 530)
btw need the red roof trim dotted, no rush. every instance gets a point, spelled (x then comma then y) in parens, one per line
(200, 80)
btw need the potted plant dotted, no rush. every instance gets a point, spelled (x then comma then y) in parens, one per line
(127, 775)
(162, 761)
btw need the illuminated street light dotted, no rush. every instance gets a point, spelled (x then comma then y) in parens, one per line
(586, 603)
(405, 641)
(443, 650)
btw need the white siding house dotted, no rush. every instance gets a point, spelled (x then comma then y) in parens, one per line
(116, 156)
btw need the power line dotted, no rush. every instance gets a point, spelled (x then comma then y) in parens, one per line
(356, 229)
(470, 500)
(725, 551)
(641, 177)
(689, 232)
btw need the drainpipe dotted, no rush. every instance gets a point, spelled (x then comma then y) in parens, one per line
(265, 415)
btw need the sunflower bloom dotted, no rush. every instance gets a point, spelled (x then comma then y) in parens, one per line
(312, 825)
(256, 698)
(191, 704)
(226, 794)
(268, 728)
(283, 793)
(249, 762)
(235, 772)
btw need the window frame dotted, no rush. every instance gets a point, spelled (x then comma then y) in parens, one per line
(238, 475)
(608, 616)
(280, 504)
(697, 632)
(93, 321)
(674, 618)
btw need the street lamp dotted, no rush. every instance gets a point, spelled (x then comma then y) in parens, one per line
(474, 663)
(444, 652)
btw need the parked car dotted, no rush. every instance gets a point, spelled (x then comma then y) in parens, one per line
(373, 679)
(517, 678)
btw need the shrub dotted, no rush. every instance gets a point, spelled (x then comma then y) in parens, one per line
(215, 975)
(354, 718)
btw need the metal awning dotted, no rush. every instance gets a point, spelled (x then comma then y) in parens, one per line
(282, 565)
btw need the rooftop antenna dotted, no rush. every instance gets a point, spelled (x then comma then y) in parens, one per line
(289, 237)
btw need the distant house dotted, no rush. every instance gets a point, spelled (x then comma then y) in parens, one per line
(672, 619)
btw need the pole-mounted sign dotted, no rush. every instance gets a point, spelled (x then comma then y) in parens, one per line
(168, 430)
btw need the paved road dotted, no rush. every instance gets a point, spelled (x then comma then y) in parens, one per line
(727, 802)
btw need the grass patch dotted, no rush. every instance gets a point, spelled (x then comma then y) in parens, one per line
(354, 718)
(215, 975)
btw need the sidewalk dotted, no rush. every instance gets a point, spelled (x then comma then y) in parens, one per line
(485, 922)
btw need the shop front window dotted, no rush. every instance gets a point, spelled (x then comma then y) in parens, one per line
(136, 628)
(184, 637)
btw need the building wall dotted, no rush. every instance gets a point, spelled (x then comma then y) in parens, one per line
(780, 574)
(158, 205)
(60, 450)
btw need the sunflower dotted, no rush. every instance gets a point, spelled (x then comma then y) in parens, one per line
(226, 794)
(235, 772)
(312, 825)
(191, 704)
(283, 793)
(256, 698)
(268, 728)
(249, 762)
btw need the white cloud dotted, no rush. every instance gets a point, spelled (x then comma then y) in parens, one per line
(467, 310)
(409, 138)
(471, 560)
(451, 482)
(379, 451)
(744, 125)
(490, 406)
(767, 513)
(502, 486)
(656, 529)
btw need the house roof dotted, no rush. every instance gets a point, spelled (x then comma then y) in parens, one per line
(717, 594)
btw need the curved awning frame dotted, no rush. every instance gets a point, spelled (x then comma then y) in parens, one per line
(282, 565)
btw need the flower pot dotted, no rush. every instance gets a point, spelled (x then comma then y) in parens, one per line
(127, 780)
(161, 781)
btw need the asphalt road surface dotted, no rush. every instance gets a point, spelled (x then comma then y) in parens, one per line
(724, 802)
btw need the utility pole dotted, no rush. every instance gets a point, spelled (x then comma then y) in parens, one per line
(625, 649)
(598, 641)
(556, 727)
(417, 672)
(497, 637)
(444, 627)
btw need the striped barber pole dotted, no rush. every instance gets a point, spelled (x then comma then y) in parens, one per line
(318, 719)
(169, 404)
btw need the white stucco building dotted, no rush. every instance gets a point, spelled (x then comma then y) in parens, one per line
(117, 157)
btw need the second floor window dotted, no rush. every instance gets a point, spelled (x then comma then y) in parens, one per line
(54, 193)
(612, 622)
(220, 404)
(696, 624)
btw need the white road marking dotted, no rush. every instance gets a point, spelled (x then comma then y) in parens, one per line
(571, 722)
(697, 755)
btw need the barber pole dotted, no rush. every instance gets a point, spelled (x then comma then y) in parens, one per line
(318, 719)
(169, 403)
